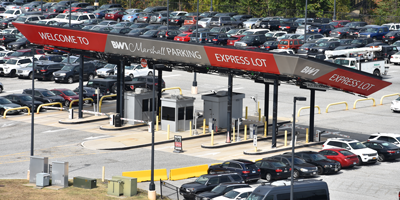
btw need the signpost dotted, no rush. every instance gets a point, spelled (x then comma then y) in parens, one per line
(178, 144)
(143, 62)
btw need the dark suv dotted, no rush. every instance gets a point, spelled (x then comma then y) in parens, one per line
(70, 72)
(44, 70)
(206, 183)
(149, 82)
(225, 20)
(323, 29)
(44, 95)
(325, 166)
(301, 167)
(23, 100)
(221, 189)
(251, 40)
(271, 25)
(247, 169)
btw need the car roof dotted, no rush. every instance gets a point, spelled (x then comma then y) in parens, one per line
(385, 134)
(378, 141)
(342, 140)
(245, 189)
(222, 174)
(18, 95)
(60, 89)
(335, 149)
(243, 161)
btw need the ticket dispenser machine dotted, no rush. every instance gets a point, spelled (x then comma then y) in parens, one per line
(176, 111)
(139, 105)
(211, 125)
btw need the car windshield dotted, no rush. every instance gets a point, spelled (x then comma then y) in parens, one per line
(317, 157)
(252, 19)
(150, 32)
(254, 196)
(96, 28)
(183, 35)
(269, 43)
(115, 30)
(357, 145)
(357, 41)
(202, 180)
(284, 42)
(389, 145)
(135, 31)
(269, 35)
(48, 93)
(103, 23)
(322, 44)
(61, 16)
(277, 163)
(247, 38)
(130, 67)
(231, 194)
(68, 68)
(18, 54)
(69, 93)
(391, 33)
(298, 161)
(110, 66)
(11, 61)
(307, 45)
(26, 98)
(342, 62)
(9, 12)
(21, 40)
(4, 101)
(334, 23)
(232, 31)
(372, 30)
(215, 30)
(219, 189)
(184, 28)
(87, 27)
(21, 19)
(41, 22)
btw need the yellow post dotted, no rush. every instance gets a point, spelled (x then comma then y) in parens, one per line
(259, 114)
(265, 128)
(190, 129)
(157, 123)
(306, 135)
(285, 138)
(233, 134)
(212, 137)
(255, 149)
(246, 113)
(204, 126)
(245, 132)
(168, 132)
(103, 174)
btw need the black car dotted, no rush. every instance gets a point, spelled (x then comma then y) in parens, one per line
(340, 33)
(89, 92)
(269, 45)
(320, 48)
(361, 42)
(24, 100)
(138, 31)
(391, 37)
(387, 52)
(6, 104)
(301, 167)
(272, 169)
(54, 58)
(218, 38)
(177, 20)
(289, 27)
(221, 189)
(251, 40)
(206, 183)
(138, 25)
(305, 48)
(356, 24)
(153, 27)
(386, 150)
(170, 34)
(7, 38)
(345, 42)
(246, 168)
(150, 34)
(354, 32)
(271, 25)
(70, 72)
(4, 22)
(92, 21)
(44, 70)
(120, 30)
(325, 166)
(21, 43)
(44, 95)
(57, 9)
(149, 81)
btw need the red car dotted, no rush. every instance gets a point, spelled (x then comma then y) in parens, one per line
(233, 39)
(189, 20)
(339, 23)
(116, 15)
(183, 37)
(346, 158)
(76, 6)
(67, 94)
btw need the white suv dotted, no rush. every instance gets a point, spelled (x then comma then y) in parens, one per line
(388, 137)
(365, 154)
(76, 18)
(10, 67)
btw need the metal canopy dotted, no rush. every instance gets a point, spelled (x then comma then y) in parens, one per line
(306, 69)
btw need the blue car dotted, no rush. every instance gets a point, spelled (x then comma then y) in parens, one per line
(100, 14)
(375, 32)
(323, 29)
(218, 38)
(245, 168)
(131, 17)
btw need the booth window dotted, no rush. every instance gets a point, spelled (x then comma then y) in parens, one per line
(181, 113)
(189, 113)
(168, 113)
(145, 105)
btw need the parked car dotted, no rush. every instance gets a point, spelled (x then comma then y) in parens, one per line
(323, 29)
(251, 23)
(21, 43)
(138, 25)
(70, 73)
(301, 167)
(375, 32)
(1, 87)
(391, 37)
(395, 106)
(170, 34)
(386, 150)
(67, 94)
(239, 193)
(288, 27)
(340, 32)
(89, 92)
(344, 157)
(272, 169)
(177, 20)
(144, 17)
(233, 39)
(116, 15)
(153, 26)
(321, 47)
(251, 40)
(137, 31)
(339, 23)
(235, 31)
(44, 95)
(130, 17)
(361, 42)
(205, 22)
(5, 39)
(136, 70)
(388, 137)
(206, 183)
(183, 37)
(365, 155)
(245, 168)
(24, 100)
(149, 81)
(225, 20)
(271, 25)
(294, 44)
(120, 30)
(305, 48)
(107, 70)
(12, 65)
(220, 190)
(325, 166)
(218, 38)
(150, 34)
(275, 34)
(7, 104)
(44, 70)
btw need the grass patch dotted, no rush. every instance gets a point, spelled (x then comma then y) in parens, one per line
(14, 189)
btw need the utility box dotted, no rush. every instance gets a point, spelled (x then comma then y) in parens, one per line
(59, 173)
(37, 165)
(115, 187)
(216, 106)
(139, 105)
(87, 183)
(42, 179)
(176, 111)
(129, 186)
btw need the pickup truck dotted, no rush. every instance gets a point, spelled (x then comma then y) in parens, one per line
(374, 67)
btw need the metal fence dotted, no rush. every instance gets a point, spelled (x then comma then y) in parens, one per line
(169, 191)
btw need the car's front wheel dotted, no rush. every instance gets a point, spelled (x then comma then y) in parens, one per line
(359, 161)
(320, 170)
(268, 177)
(296, 174)
(381, 158)
(70, 80)
(66, 103)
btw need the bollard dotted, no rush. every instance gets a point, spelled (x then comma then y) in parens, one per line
(233, 134)
(156, 123)
(168, 132)
(212, 138)
(259, 114)
(245, 132)
(306, 135)
(103, 175)
(28, 175)
(265, 128)
(71, 113)
(204, 126)
(245, 116)
(255, 149)
(285, 138)
(190, 128)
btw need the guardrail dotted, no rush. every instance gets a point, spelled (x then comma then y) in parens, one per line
(48, 104)
(19, 108)
(105, 96)
(337, 103)
(77, 100)
(389, 95)
(308, 107)
(355, 102)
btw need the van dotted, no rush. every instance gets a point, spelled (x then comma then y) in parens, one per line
(303, 189)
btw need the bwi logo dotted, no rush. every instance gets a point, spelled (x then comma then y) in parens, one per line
(119, 45)
(309, 70)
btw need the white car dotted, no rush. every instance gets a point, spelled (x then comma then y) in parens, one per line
(288, 36)
(13, 13)
(135, 70)
(10, 67)
(395, 58)
(365, 154)
(275, 34)
(3, 54)
(236, 194)
(395, 107)
(251, 23)
(389, 137)
(107, 70)
(205, 22)
(288, 51)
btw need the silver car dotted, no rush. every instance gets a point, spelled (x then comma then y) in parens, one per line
(107, 70)
(251, 23)
(25, 72)
(205, 22)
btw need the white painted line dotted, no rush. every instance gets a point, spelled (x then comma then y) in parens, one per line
(52, 131)
(93, 138)
(6, 125)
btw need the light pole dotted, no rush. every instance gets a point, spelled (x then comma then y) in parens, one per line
(293, 133)
(305, 24)
(334, 10)
(211, 8)
(33, 104)
(152, 187)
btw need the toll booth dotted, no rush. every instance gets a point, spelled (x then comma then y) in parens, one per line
(139, 105)
(176, 111)
(215, 106)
